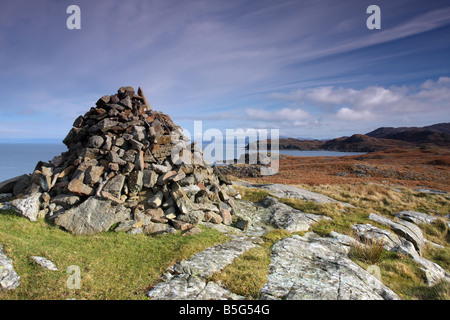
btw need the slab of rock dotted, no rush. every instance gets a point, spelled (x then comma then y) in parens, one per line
(288, 218)
(92, 216)
(28, 206)
(416, 217)
(8, 277)
(391, 242)
(190, 287)
(405, 229)
(317, 268)
(286, 191)
(45, 263)
(258, 217)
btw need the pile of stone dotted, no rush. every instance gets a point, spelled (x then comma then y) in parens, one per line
(126, 166)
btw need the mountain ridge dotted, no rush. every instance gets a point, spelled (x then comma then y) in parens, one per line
(379, 139)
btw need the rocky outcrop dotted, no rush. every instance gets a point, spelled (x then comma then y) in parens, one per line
(392, 242)
(187, 279)
(8, 277)
(405, 229)
(318, 268)
(286, 191)
(292, 220)
(416, 217)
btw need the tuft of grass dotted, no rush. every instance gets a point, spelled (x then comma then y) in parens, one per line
(251, 194)
(273, 236)
(368, 251)
(114, 266)
(440, 291)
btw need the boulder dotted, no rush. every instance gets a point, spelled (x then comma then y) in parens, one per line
(318, 268)
(28, 206)
(92, 216)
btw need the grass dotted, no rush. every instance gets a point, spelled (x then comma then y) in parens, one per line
(385, 200)
(251, 194)
(368, 252)
(113, 266)
(247, 274)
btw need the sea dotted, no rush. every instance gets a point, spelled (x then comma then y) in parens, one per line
(21, 158)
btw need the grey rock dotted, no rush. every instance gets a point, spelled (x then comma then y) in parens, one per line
(192, 217)
(128, 225)
(156, 200)
(7, 186)
(317, 268)
(213, 259)
(431, 191)
(405, 229)
(96, 142)
(259, 218)
(149, 178)
(103, 125)
(45, 263)
(390, 241)
(115, 185)
(4, 197)
(157, 228)
(115, 158)
(160, 169)
(22, 184)
(92, 216)
(9, 279)
(189, 287)
(182, 201)
(433, 272)
(416, 217)
(135, 181)
(288, 218)
(65, 200)
(28, 206)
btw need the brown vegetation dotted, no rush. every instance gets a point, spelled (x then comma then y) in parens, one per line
(414, 168)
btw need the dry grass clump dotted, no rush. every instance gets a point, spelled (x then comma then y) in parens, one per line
(367, 251)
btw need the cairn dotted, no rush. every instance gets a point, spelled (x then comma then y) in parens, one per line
(127, 167)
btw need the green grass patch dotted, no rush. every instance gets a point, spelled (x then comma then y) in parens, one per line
(113, 265)
(247, 274)
(251, 194)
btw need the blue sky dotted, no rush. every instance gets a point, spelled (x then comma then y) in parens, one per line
(309, 68)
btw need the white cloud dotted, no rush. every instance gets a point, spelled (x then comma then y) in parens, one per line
(283, 115)
(348, 114)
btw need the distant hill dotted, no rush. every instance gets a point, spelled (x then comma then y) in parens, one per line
(438, 134)
(379, 139)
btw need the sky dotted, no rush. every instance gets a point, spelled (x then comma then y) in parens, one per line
(310, 68)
